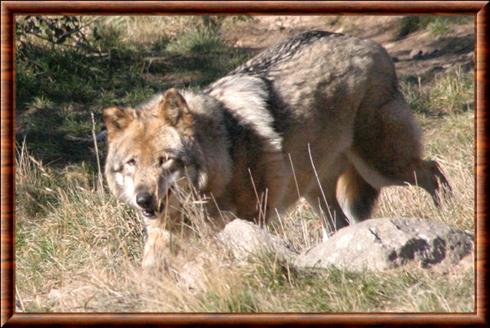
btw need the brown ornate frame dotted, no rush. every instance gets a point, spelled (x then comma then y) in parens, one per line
(11, 8)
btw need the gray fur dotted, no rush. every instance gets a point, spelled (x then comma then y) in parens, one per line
(321, 107)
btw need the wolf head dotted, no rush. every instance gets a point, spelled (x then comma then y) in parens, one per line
(152, 151)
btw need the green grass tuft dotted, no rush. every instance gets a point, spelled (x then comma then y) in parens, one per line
(438, 26)
(448, 93)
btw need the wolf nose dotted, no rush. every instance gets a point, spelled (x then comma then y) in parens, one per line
(143, 199)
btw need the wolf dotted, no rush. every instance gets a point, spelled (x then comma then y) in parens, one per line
(318, 116)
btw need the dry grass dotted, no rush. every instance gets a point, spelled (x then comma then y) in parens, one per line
(143, 30)
(148, 29)
(82, 251)
(78, 249)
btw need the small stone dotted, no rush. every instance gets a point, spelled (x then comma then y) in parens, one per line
(245, 239)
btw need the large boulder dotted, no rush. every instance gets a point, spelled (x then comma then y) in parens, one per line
(380, 244)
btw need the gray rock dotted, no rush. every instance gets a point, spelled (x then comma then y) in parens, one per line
(380, 244)
(245, 239)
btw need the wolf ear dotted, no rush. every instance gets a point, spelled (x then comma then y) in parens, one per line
(173, 107)
(116, 119)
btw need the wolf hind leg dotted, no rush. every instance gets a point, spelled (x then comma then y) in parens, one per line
(387, 150)
(356, 197)
(421, 173)
(428, 175)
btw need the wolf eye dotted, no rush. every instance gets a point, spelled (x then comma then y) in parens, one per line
(131, 162)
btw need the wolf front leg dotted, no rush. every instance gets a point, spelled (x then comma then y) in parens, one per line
(158, 247)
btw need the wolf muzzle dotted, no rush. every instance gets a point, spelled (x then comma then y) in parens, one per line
(146, 202)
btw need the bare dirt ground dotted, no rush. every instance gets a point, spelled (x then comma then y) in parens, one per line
(419, 54)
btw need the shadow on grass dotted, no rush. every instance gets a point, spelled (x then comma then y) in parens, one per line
(58, 87)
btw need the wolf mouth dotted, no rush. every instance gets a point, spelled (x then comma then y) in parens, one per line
(154, 211)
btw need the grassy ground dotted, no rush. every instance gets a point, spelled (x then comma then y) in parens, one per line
(78, 249)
